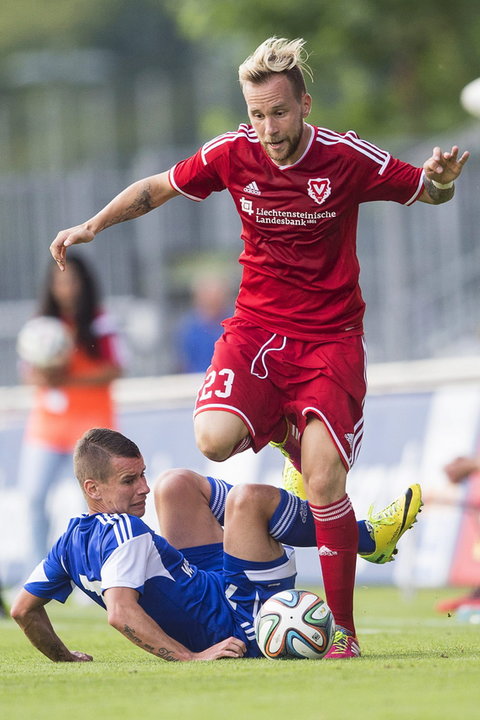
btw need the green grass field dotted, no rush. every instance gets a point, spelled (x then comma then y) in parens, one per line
(415, 664)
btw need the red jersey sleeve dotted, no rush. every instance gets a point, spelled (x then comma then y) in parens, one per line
(205, 172)
(393, 179)
(400, 182)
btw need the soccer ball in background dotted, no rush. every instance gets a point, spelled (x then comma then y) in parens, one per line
(470, 98)
(45, 342)
(295, 624)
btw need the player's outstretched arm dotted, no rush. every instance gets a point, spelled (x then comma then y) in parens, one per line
(136, 200)
(440, 172)
(30, 614)
(126, 615)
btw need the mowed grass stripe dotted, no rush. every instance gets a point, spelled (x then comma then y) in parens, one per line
(416, 664)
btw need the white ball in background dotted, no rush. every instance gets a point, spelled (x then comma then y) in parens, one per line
(470, 98)
(45, 342)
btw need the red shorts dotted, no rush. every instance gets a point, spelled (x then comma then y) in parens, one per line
(262, 377)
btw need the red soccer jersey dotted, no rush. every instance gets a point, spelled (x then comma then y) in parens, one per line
(299, 223)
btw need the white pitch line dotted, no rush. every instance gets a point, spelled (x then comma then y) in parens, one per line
(405, 625)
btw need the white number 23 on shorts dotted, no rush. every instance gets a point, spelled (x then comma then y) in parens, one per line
(226, 375)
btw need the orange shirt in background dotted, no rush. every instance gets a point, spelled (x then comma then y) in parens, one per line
(60, 415)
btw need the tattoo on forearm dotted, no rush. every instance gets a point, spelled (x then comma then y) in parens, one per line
(162, 652)
(143, 202)
(165, 654)
(131, 634)
(141, 205)
(437, 194)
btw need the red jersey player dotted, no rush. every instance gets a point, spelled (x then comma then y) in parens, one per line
(290, 366)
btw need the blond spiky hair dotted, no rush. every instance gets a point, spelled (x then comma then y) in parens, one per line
(277, 55)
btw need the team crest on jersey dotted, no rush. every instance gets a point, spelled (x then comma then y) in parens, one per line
(319, 189)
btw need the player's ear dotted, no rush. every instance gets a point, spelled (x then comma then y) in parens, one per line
(92, 489)
(306, 105)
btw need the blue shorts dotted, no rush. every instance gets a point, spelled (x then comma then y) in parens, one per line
(247, 585)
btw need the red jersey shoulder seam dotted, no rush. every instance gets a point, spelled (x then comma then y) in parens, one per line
(351, 140)
(244, 132)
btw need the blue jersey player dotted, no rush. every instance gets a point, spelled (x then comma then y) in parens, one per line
(197, 603)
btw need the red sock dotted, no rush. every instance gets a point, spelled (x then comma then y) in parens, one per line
(337, 542)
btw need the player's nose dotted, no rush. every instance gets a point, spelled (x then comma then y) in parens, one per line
(271, 128)
(144, 488)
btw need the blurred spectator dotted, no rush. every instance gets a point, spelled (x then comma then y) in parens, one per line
(201, 327)
(3, 605)
(457, 471)
(461, 468)
(69, 399)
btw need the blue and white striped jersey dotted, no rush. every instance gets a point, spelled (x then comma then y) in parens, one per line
(102, 551)
(197, 607)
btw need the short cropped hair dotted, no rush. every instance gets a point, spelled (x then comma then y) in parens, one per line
(94, 451)
(277, 55)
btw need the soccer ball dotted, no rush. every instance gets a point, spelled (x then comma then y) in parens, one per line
(470, 98)
(45, 342)
(294, 624)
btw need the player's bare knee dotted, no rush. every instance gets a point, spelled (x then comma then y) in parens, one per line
(172, 483)
(212, 445)
(218, 434)
(250, 499)
(326, 484)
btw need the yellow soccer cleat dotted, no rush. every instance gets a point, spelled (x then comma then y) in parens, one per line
(292, 480)
(387, 526)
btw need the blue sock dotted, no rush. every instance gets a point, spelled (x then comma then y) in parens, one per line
(366, 544)
(218, 498)
(291, 522)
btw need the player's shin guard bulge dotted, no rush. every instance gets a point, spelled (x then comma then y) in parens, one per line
(387, 526)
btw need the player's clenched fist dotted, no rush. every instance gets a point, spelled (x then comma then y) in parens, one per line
(65, 238)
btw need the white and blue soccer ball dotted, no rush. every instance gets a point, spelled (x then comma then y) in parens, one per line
(295, 624)
(45, 342)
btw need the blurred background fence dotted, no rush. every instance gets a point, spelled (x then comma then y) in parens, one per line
(420, 266)
(93, 97)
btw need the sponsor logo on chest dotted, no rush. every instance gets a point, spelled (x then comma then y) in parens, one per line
(318, 189)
